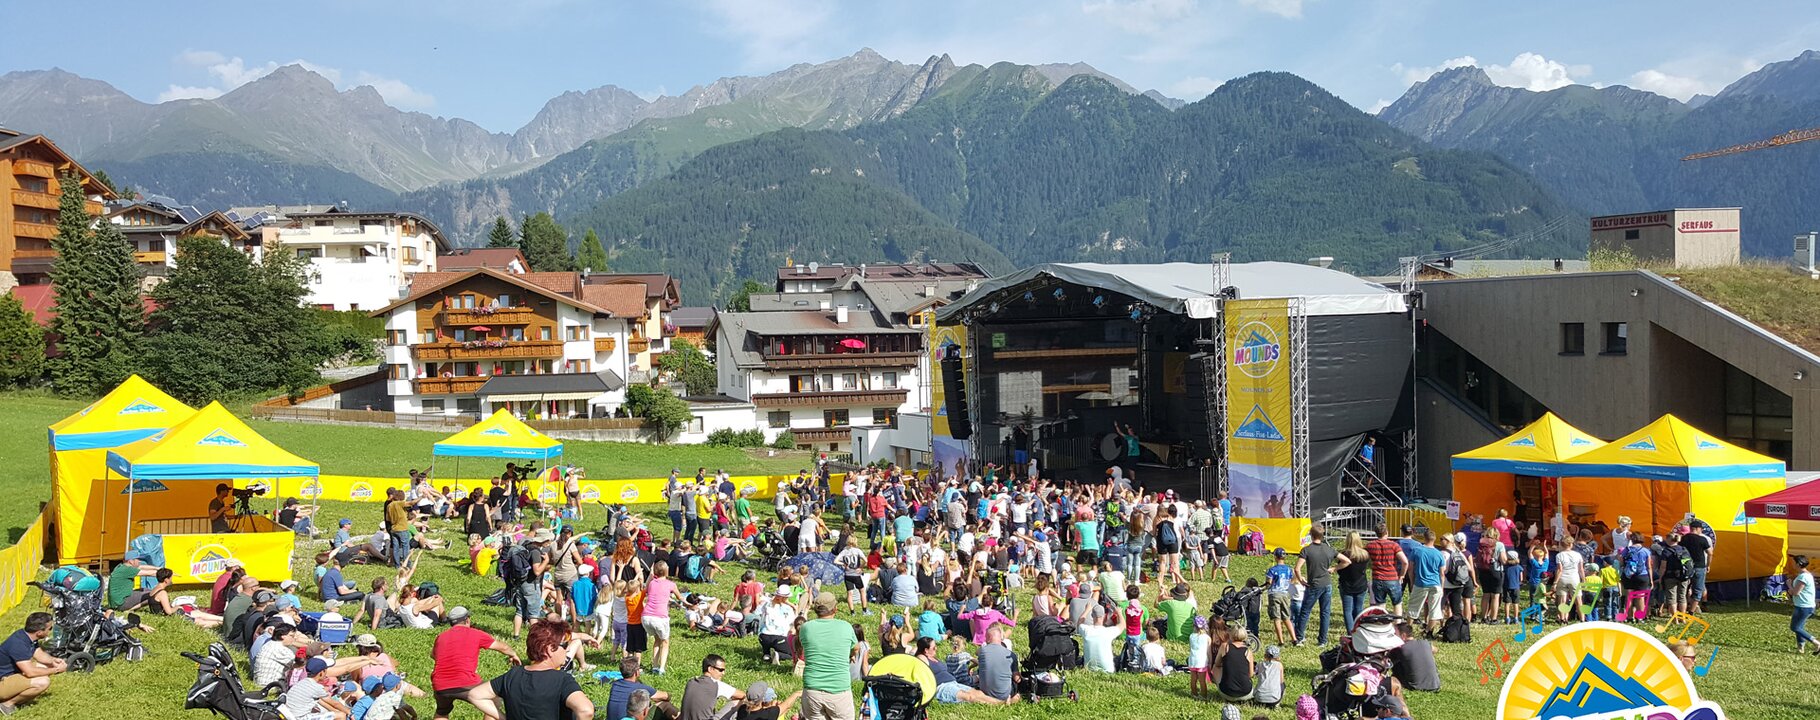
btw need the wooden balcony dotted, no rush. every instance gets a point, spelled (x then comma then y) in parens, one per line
(605, 344)
(150, 257)
(841, 360)
(94, 208)
(821, 435)
(30, 253)
(34, 230)
(34, 168)
(501, 316)
(448, 386)
(511, 350)
(30, 199)
(638, 345)
(844, 398)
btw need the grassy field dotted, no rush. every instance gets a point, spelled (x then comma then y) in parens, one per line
(347, 450)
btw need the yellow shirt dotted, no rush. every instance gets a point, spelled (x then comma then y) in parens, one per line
(704, 506)
(483, 561)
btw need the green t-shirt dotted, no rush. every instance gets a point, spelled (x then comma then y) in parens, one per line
(827, 650)
(120, 582)
(742, 509)
(1179, 619)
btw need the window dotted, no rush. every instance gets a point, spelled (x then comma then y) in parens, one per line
(399, 372)
(575, 332)
(504, 300)
(884, 416)
(778, 419)
(309, 253)
(576, 366)
(433, 406)
(461, 334)
(1617, 338)
(1633, 234)
(1573, 338)
(514, 333)
(827, 383)
(396, 337)
(467, 406)
(888, 379)
(468, 301)
(695, 425)
(849, 381)
(429, 336)
(835, 418)
(543, 333)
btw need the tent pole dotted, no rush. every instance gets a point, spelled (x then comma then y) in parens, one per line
(1709, 562)
(128, 538)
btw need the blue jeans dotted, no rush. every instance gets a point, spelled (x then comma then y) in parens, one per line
(1353, 604)
(1798, 623)
(401, 547)
(303, 527)
(1322, 595)
(1382, 590)
(1696, 588)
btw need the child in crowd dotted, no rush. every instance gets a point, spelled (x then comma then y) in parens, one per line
(1512, 585)
(1268, 690)
(613, 618)
(1614, 589)
(1200, 649)
(288, 591)
(1221, 554)
(1192, 552)
(1155, 657)
(1282, 582)
(1537, 574)
(959, 661)
(582, 592)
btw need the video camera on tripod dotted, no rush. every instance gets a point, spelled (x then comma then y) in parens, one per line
(243, 497)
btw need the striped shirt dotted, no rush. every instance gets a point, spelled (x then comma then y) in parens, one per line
(1383, 553)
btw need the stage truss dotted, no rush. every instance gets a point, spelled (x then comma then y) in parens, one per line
(1298, 394)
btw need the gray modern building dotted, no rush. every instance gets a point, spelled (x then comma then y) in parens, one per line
(1608, 352)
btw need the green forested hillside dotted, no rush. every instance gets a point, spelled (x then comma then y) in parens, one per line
(1268, 167)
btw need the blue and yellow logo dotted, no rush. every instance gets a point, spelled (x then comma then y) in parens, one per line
(207, 562)
(628, 492)
(590, 493)
(1601, 671)
(1258, 350)
(360, 491)
(311, 490)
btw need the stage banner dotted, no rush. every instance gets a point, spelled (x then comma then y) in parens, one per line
(938, 342)
(199, 559)
(1261, 474)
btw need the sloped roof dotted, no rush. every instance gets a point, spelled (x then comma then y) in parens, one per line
(88, 178)
(556, 282)
(564, 383)
(1187, 288)
(469, 258)
(692, 316)
(747, 329)
(623, 300)
(41, 302)
(425, 283)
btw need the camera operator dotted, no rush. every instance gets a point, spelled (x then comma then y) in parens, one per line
(221, 509)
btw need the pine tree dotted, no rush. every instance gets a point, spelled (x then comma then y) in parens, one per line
(591, 256)
(742, 298)
(21, 344)
(100, 318)
(545, 244)
(501, 237)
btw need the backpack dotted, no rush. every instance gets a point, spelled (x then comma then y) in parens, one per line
(515, 564)
(692, 569)
(1457, 569)
(1455, 630)
(1166, 535)
(1636, 563)
(428, 588)
(1489, 557)
(1676, 567)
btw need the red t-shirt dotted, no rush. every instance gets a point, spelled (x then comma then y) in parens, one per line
(744, 590)
(875, 506)
(457, 656)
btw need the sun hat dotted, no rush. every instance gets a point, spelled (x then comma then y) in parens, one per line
(1306, 708)
(263, 596)
(1200, 621)
(1179, 592)
(366, 640)
(543, 535)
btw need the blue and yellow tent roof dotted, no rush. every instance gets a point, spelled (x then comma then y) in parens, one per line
(1669, 449)
(1539, 448)
(500, 436)
(133, 411)
(211, 445)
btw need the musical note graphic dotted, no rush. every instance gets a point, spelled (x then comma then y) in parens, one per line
(1703, 669)
(1672, 621)
(1691, 622)
(1497, 663)
(1523, 629)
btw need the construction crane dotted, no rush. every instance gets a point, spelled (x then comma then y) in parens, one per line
(1788, 138)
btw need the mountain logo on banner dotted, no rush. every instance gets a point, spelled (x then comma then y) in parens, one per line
(220, 438)
(143, 485)
(1647, 444)
(1579, 441)
(1257, 426)
(1258, 350)
(140, 407)
(1707, 445)
(1596, 688)
(1527, 441)
(1601, 671)
(1741, 519)
(499, 432)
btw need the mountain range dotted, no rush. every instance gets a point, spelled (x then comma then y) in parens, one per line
(1617, 150)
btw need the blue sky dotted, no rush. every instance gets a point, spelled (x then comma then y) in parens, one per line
(496, 62)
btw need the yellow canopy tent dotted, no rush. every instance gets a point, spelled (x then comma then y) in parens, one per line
(81, 495)
(211, 445)
(1484, 480)
(1660, 473)
(500, 435)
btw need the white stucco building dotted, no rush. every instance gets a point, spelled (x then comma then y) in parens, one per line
(360, 260)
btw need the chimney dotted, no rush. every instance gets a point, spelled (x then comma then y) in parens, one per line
(862, 271)
(1447, 262)
(929, 291)
(802, 270)
(840, 315)
(1559, 266)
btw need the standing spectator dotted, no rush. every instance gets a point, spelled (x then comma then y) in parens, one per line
(673, 497)
(542, 690)
(1426, 564)
(1388, 564)
(1506, 528)
(827, 645)
(1570, 570)
(1353, 565)
(1800, 593)
(1314, 569)
(1674, 567)
(1699, 555)
(1281, 579)
(26, 670)
(525, 564)
(455, 676)
(656, 612)
(397, 525)
(701, 696)
(1635, 567)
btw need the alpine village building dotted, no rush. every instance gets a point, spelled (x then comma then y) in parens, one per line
(31, 171)
(835, 347)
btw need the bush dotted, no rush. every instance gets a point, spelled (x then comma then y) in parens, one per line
(786, 440)
(728, 437)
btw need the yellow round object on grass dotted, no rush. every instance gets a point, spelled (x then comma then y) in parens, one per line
(909, 668)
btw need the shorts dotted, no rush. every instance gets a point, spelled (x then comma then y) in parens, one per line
(854, 582)
(1197, 560)
(1202, 674)
(1677, 592)
(1279, 606)
(1571, 590)
(950, 692)
(527, 600)
(445, 699)
(1163, 548)
(819, 705)
(657, 627)
(1491, 580)
(1424, 604)
(675, 521)
(12, 685)
(1510, 595)
(636, 640)
(1635, 584)
(619, 635)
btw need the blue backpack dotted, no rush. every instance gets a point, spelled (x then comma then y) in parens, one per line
(1636, 563)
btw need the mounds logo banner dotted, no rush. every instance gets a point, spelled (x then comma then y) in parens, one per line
(1601, 671)
(748, 488)
(220, 438)
(143, 485)
(547, 493)
(1258, 350)
(628, 492)
(208, 561)
(311, 490)
(590, 493)
(138, 407)
(1257, 426)
(360, 491)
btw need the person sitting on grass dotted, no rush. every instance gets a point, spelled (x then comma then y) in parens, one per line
(1233, 667)
(311, 700)
(998, 676)
(948, 689)
(333, 587)
(1155, 657)
(157, 599)
(380, 663)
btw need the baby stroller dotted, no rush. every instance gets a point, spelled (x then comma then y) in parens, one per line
(1346, 691)
(81, 635)
(217, 689)
(1231, 604)
(1374, 635)
(899, 688)
(1052, 650)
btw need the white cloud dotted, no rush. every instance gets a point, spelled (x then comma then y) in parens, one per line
(1378, 106)
(1700, 75)
(1679, 87)
(1194, 88)
(1291, 9)
(1144, 17)
(227, 73)
(773, 33)
(1529, 71)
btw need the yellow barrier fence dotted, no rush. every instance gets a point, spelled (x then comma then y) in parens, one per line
(20, 563)
(358, 488)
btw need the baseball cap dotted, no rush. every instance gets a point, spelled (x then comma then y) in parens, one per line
(782, 591)
(331, 605)
(1273, 651)
(348, 686)
(285, 602)
(760, 692)
(824, 603)
(391, 680)
(543, 535)
(370, 684)
(345, 522)
(315, 666)
(366, 640)
(458, 614)
(1279, 553)
(263, 596)
(287, 584)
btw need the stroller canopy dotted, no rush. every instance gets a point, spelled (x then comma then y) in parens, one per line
(908, 669)
(819, 565)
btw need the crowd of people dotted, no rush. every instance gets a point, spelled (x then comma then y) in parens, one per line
(930, 567)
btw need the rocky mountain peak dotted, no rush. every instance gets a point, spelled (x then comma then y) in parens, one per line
(1796, 80)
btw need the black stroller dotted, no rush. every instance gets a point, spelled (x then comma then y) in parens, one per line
(218, 690)
(1345, 692)
(81, 634)
(1052, 650)
(889, 697)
